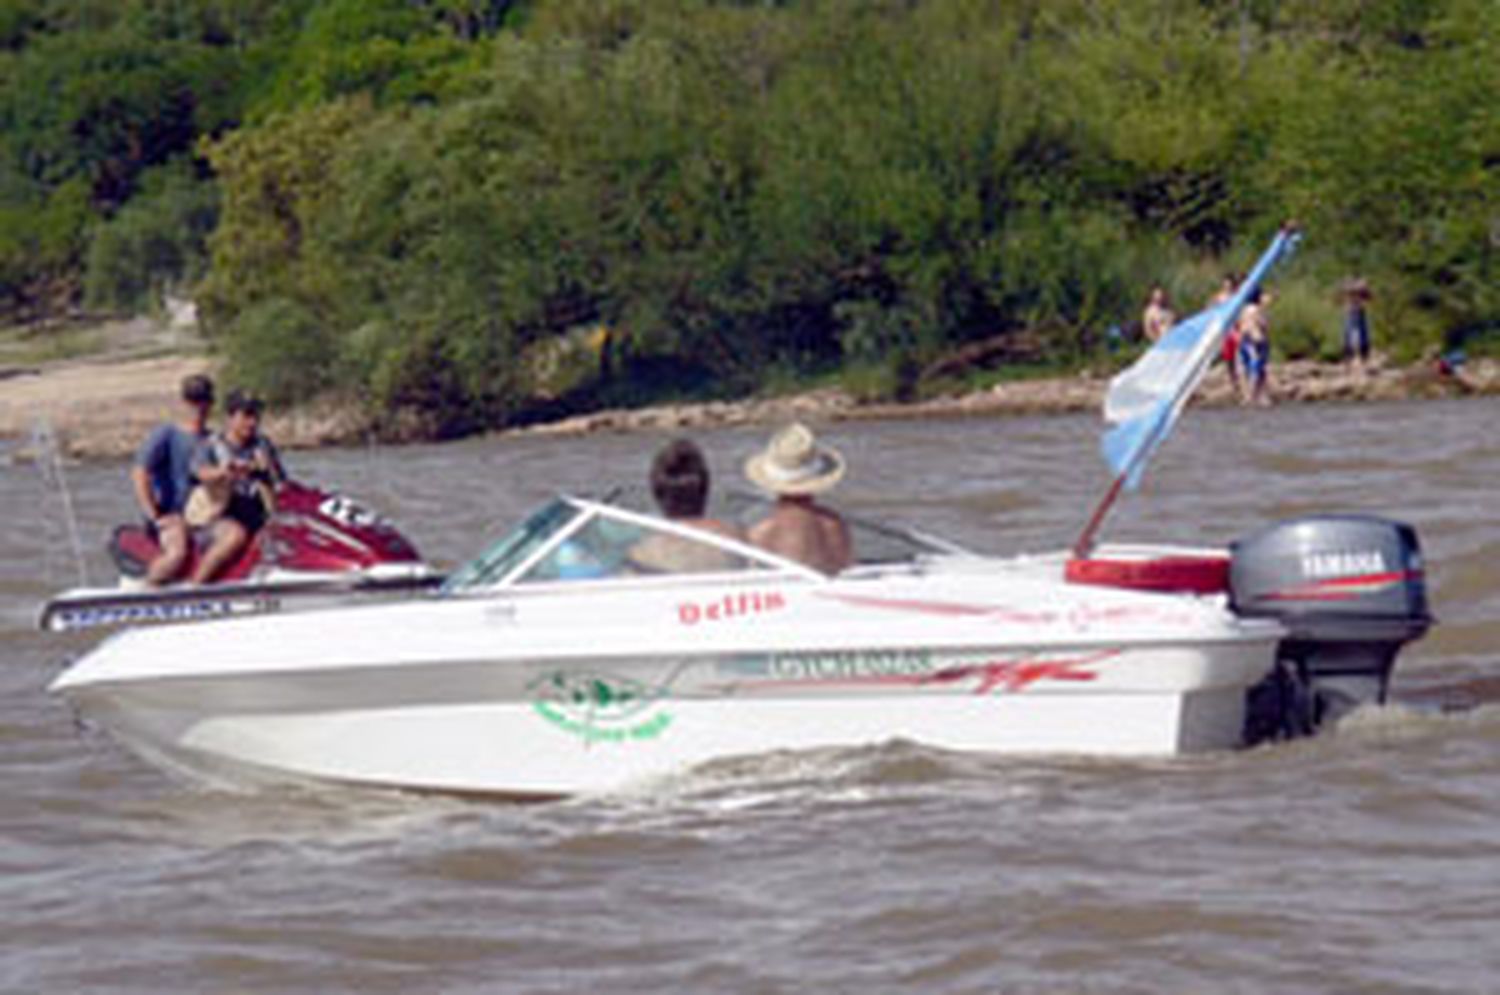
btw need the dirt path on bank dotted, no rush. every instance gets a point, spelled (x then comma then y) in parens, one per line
(102, 408)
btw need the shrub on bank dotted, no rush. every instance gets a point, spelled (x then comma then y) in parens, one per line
(280, 347)
(1306, 319)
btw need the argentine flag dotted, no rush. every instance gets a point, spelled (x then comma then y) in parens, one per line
(1144, 400)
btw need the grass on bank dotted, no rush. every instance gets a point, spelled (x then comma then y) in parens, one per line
(93, 338)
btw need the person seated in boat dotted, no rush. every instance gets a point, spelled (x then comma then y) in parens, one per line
(795, 467)
(237, 471)
(679, 483)
(162, 477)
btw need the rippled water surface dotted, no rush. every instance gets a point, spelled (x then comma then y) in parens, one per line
(1367, 860)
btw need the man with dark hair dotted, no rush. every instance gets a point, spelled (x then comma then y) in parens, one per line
(240, 468)
(162, 477)
(679, 482)
(1357, 321)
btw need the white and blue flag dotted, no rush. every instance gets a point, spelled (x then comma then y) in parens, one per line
(1145, 399)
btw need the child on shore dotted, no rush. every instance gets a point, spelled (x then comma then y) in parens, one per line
(1231, 349)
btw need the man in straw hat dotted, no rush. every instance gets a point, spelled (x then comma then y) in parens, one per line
(162, 476)
(794, 467)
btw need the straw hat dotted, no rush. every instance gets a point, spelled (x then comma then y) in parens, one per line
(794, 462)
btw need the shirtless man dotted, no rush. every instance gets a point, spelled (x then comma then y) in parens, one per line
(795, 467)
(1158, 318)
(1255, 349)
(679, 482)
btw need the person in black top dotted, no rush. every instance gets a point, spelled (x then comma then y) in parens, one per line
(241, 469)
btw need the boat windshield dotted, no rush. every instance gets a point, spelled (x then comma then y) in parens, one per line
(875, 543)
(616, 537)
(610, 545)
(495, 563)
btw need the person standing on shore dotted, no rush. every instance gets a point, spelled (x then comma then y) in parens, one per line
(163, 475)
(1231, 349)
(1255, 349)
(1158, 318)
(1357, 322)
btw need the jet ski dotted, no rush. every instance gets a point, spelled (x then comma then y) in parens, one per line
(317, 548)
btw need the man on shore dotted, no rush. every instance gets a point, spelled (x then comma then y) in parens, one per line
(1255, 348)
(795, 467)
(162, 477)
(1357, 322)
(1158, 318)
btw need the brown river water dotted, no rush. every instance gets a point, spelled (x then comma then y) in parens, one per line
(1364, 861)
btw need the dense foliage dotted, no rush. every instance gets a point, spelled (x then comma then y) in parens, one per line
(435, 203)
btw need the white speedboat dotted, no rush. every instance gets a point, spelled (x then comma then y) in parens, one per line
(565, 659)
(560, 662)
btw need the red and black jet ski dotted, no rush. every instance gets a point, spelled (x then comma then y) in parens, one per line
(316, 547)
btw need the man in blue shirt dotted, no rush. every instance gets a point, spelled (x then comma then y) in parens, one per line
(163, 475)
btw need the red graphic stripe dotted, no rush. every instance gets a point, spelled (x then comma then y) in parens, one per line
(1017, 675)
(945, 608)
(1385, 578)
(1341, 588)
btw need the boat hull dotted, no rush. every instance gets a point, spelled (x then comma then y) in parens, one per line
(557, 727)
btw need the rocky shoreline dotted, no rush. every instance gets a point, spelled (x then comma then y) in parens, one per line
(101, 408)
(1301, 381)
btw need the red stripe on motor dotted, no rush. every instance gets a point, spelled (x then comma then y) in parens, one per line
(1335, 588)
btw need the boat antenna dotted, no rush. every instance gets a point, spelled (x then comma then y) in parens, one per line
(49, 461)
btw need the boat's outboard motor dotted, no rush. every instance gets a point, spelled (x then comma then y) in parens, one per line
(1350, 591)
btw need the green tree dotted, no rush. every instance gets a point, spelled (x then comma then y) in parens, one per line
(157, 242)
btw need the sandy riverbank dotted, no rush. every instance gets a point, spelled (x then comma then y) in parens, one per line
(102, 408)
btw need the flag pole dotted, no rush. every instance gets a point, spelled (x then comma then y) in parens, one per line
(1085, 544)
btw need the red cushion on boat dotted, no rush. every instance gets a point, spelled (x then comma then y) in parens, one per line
(1192, 574)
